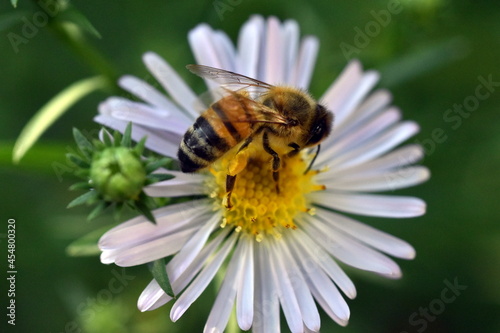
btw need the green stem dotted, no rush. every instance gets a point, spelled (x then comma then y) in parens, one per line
(72, 36)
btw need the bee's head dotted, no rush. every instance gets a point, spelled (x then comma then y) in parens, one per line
(320, 127)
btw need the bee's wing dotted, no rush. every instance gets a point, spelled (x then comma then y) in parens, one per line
(237, 107)
(228, 79)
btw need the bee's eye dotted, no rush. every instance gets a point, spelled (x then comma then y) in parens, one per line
(293, 122)
(316, 135)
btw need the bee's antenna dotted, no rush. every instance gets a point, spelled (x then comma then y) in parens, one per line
(312, 161)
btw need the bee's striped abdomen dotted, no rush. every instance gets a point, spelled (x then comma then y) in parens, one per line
(211, 136)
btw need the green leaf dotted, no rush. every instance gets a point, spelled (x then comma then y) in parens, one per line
(86, 245)
(106, 138)
(78, 161)
(84, 198)
(159, 273)
(14, 3)
(51, 111)
(80, 186)
(160, 177)
(117, 137)
(144, 209)
(101, 206)
(150, 167)
(117, 212)
(139, 147)
(83, 143)
(127, 136)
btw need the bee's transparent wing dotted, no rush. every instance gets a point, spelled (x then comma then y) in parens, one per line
(227, 79)
(209, 97)
(237, 107)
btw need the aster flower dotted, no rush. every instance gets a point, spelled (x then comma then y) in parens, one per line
(281, 251)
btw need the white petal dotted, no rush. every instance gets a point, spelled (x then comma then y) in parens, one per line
(397, 159)
(169, 220)
(315, 256)
(362, 88)
(165, 144)
(182, 185)
(211, 48)
(317, 280)
(331, 304)
(287, 296)
(172, 82)
(303, 70)
(153, 296)
(291, 36)
(383, 181)
(379, 145)
(245, 295)
(359, 136)
(375, 102)
(193, 246)
(249, 45)
(341, 89)
(379, 240)
(153, 250)
(227, 52)
(201, 282)
(221, 309)
(308, 309)
(350, 251)
(150, 95)
(148, 116)
(274, 70)
(266, 309)
(370, 204)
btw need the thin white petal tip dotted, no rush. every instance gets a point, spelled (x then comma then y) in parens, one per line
(351, 294)
(149, 56)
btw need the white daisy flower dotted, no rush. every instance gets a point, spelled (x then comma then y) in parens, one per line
(281, 251)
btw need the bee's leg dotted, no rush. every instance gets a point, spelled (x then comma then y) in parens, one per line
(237, 164)
(230, 181)
(276, 160)
(295, 151)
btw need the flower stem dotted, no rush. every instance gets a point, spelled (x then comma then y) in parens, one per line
(72, 35)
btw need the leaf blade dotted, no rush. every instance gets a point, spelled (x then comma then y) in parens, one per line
(51, 111)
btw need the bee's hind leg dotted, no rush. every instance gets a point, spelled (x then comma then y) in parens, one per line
(276, 160)
(237, 164)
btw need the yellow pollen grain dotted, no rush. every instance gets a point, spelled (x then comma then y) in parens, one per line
(258, 209)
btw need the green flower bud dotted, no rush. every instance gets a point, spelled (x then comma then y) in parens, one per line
(118, 174)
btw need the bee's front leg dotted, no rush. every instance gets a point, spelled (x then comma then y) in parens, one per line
(276, 160)
(237, 164)
(230, 181)
(295, 149)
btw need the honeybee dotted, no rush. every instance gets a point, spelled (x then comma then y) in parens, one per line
(282, 119)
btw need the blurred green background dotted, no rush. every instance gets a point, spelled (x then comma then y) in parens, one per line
(431, 55)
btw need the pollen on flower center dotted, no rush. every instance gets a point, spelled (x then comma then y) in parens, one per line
(262, 206)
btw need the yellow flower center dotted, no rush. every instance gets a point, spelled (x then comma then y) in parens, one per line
(262, 206)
